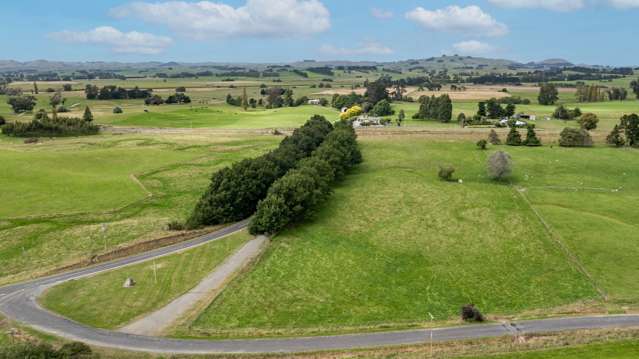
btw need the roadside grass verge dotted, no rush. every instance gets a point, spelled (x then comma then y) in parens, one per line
(102, 302)
(395, 243)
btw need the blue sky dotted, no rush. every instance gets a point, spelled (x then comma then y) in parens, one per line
(582, 31)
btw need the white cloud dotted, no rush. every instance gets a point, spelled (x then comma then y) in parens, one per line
(472, 47)
(124, 42)
(367, 48)
(555, 5)
(624, 4)
(207, 19)
(471, 20)
(381, 13)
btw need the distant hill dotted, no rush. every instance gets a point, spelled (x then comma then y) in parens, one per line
(448, 62)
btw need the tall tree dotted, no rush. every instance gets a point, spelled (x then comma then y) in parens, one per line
(245, 103)
(634, 85)
(548, 94)
(55, 101)
(35, 88)
(88, 116)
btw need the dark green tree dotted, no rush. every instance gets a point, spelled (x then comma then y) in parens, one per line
(588, 121)
(615, 138)
(573, 137)
(531, 137)
(548, 94)
(514, 137)
(382, 108)
(21, 104)
(87, 116)
(630, 125)
(481, 111)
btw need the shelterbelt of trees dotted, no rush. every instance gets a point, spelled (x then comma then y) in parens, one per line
(235, 191)
(296, 195)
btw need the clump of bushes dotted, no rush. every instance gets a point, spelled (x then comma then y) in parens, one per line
(74, 350)
(235, 191)
(117, 110)
(574, 137)
(296, 195)
(2, 121)
(563, 113)
(45, 127)
(470, 313)
(482, 144)
(499, 165)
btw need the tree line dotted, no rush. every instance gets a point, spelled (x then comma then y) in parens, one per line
(297, 194)
(235, 191)
(111, 92)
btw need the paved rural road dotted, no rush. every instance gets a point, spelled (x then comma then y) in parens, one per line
(18, 302)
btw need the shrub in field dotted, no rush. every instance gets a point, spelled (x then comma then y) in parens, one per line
(615, 138)
(514, 137)
(60, 127)
(481, 144)
(445, 173)
(235, 191)
(493, 138)
(531, 137)
(573, 137)
(499, 165)
(2, 121)
(296, 195)
(588, 121)
(117, 110)
(470, 313)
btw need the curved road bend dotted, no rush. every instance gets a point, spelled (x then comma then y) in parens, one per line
(18, 302)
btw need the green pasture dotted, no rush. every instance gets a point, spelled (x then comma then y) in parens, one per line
(394, 242)
(74, 198)
(224, 116)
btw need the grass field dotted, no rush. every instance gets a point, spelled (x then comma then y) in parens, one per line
(224, 116)
(71, 199)
(394, 243)
(176, 274)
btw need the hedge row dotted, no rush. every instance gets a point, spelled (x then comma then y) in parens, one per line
(235, 191)
(296, 195)
(60, 127)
